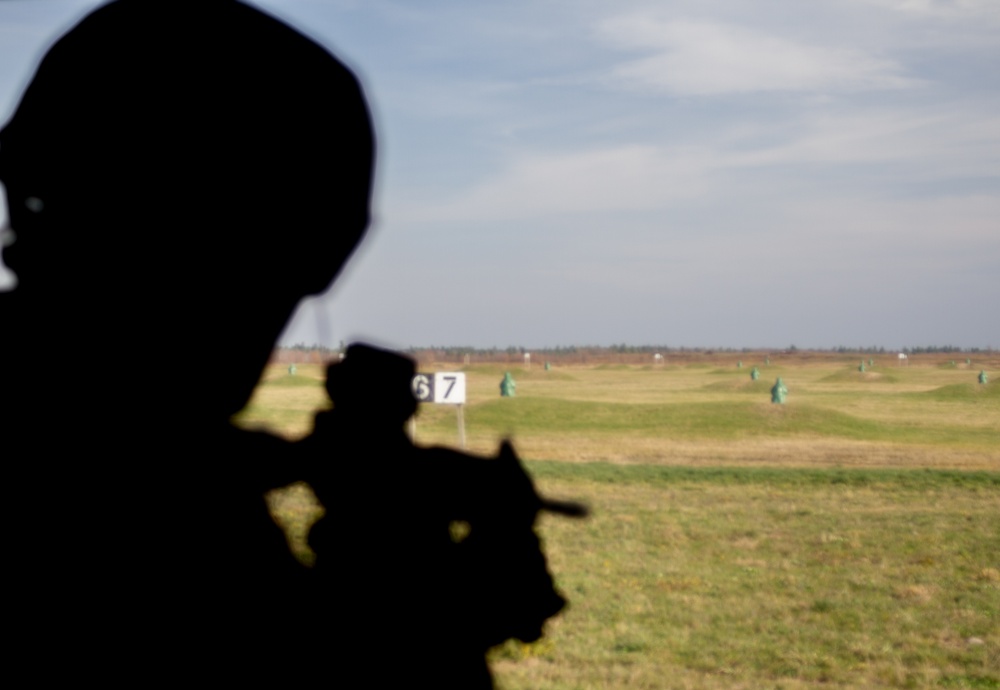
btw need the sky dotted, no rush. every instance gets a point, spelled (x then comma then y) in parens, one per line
(703, 174)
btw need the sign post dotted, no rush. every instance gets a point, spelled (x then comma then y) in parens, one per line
(443, 388)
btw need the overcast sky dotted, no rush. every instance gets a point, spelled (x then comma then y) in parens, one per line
(704, 173)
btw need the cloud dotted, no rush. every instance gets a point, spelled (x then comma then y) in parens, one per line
(977, 9)
(703, 58)
(933, 142)
(625, 178)
(888, 151)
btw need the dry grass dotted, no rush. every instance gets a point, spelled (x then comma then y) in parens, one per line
(815, 561)
(901, 422)
(794, 452)
(701, 585)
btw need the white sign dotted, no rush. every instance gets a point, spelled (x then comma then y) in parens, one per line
(445, 387)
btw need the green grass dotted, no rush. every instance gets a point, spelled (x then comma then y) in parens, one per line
(536, 373)
(758, 388)
(630, 411)
(734, 577)
(847, 539)
(667, 476)
(870, 376)
(294, 381)
(720, 419)
(973, 393)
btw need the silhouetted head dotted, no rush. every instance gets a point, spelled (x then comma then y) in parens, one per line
(373, 386)
(182, 172)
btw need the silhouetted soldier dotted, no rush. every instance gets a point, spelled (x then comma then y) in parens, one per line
(162, 152)
(405, 598)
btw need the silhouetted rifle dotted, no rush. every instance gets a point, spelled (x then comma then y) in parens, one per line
(508, 458)
(492, 584)
(517, 594)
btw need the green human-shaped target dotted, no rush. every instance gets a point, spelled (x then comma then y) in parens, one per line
(983, 378)
(754, 374)
(778, 392)
(507, 386)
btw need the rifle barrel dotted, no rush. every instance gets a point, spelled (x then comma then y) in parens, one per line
(566, 508)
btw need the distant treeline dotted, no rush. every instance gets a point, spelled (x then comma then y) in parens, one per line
(664, 349)
(943, 349)
(622, 353)
(300, 353)
(931, 349)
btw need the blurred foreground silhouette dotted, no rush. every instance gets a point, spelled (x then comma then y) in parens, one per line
(430, 549)
(163, 155)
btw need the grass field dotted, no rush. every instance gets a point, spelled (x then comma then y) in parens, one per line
(850, 538)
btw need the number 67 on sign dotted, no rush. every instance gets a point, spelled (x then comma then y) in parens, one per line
(445, 387)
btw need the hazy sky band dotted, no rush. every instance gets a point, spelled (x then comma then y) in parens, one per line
(710, 173)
